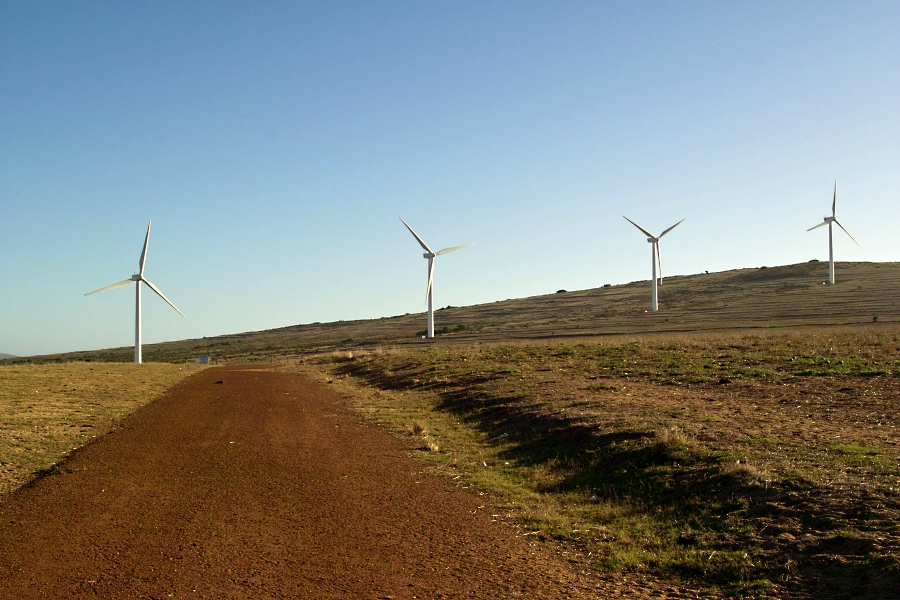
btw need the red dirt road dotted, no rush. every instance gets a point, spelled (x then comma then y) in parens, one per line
(261, 486)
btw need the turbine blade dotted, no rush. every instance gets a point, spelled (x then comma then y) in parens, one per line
(845, 231)
(823, 224)
(416, 235)
(111, 287)
(834, 200)
(671, 228)
(430, 280)
(144, 252)
(446, 250)
(647, 233)
(161, 295)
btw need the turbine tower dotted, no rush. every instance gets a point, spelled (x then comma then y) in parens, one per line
(654, 241)
(429, 292)
(138, 278)
(829, 221)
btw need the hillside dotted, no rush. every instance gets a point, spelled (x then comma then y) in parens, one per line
(789, 296)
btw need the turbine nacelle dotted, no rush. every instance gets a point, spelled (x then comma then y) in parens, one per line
(429, 255)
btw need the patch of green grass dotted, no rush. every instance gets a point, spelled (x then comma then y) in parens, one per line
(853, 450)
(872, 373)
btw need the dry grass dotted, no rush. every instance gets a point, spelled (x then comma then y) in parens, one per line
(671, 438)
(50, 410)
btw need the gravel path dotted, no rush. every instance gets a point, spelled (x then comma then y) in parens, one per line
(251, 483)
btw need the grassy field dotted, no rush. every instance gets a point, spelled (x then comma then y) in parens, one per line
(747, 464)
(47, 411)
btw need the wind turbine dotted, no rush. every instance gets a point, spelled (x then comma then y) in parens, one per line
(429, 293)
(828, 221)
(138, 278)
(654, 240)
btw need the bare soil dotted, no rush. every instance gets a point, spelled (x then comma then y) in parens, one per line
(243, 482)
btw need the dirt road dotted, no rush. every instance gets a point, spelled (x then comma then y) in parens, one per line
(250, 483)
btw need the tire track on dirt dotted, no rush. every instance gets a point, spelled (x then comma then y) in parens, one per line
(249, 483)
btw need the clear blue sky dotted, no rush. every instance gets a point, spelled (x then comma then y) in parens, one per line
(275, 145)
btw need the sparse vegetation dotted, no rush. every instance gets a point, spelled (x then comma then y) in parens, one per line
(711, 458)
(431, 445)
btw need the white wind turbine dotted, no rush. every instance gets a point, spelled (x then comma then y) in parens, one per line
(138, 278)
(654, 240)
(828, 221)
(429, 293)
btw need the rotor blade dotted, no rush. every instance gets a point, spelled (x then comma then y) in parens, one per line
(834, 202)
(111, 287)
(144, 252)
(416, 235)
(845, 231)
(430, 280)
(647, 233)
(823, 224)
(446, 250)
(161, 295)
(658, 261)
(671, 228)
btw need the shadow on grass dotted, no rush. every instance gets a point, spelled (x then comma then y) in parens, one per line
(798, 536)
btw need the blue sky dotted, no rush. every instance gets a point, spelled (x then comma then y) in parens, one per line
(275, 145)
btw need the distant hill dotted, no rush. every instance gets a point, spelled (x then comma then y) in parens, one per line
(2, 356)
(784, 297)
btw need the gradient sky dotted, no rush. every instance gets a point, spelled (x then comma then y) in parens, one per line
(275, 145)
